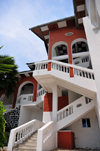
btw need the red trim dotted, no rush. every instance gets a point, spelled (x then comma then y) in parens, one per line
(62, 102)
(48, 102)
(70, 60)
(22, 80)
(49, 66)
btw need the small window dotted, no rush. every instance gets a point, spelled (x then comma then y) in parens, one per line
(86, 122)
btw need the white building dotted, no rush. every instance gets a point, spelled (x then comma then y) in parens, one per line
(70, 117)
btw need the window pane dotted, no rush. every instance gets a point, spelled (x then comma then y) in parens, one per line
(84, 122)
(88, 123)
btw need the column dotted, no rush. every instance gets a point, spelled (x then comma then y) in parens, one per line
(54, 103)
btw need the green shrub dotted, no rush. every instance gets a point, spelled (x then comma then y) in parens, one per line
(2, 125)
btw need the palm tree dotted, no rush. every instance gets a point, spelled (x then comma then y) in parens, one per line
(5, 67)
(8, 74)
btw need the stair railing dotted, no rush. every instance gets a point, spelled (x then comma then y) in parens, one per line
(73, 108)
(21, 133)
(46, 139)
(40, 92)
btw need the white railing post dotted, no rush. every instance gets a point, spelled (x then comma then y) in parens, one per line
(39, 143)
(47, 137)
(11, 140)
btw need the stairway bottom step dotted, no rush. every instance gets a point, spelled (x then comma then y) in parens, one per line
(24, 150)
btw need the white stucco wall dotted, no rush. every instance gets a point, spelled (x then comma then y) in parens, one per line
(86, 137)
(29, 113)
(72, 96)
(47, 117)
(93, 38)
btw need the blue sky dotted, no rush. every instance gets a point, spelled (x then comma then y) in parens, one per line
(17, 16)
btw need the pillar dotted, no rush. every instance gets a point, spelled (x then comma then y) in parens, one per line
(54, 103)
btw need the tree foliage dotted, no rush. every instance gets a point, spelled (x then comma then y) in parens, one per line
(8, 74)
(4, 63)
(2, 125)
(8, 79)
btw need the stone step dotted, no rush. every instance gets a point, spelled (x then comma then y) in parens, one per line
(33, 139)
(30, 143)
(26, 147)
(24, 150)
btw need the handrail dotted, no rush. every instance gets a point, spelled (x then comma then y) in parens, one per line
(65, 64)
(71, 108)
(21, 133)
(46, 137)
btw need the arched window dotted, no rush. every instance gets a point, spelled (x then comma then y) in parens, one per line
(27, 89)
(80, 52)
(59, 49)
(79, 46)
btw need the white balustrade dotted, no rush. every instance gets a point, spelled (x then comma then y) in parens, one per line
(21, 133)
(25, 98)
(40, 92)
(47, 137)
(41, 65)
(65, 67)
(72, 108)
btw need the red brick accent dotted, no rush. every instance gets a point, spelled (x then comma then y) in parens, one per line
(59, 35)
(49, 66)
(48, 102)
(66, 140)
(62, 102)
(22, 80)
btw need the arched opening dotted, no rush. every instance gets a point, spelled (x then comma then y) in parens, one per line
(60, 51)
(79, 47)
(80, 53)
(27, 89)
(25, 92)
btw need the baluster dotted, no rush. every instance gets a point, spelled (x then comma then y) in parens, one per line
(64, 69)
(60, 115)
(75, 71)
(71, 109)
(64, 114)
(58, 67)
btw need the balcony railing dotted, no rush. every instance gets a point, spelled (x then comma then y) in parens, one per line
(65, 67)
